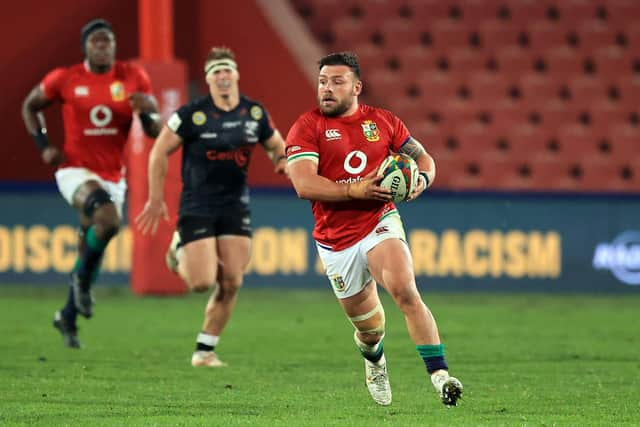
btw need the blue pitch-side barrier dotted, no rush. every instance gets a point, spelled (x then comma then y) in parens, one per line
(470, 241)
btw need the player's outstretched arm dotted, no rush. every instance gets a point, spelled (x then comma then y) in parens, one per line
(155, 208)
(274, 147)
(33, 118)
(311, 186)
(426, 165)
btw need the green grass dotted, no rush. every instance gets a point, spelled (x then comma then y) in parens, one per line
(524, 360)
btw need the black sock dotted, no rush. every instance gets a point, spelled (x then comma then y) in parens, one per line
(204, 347)
(69, 311)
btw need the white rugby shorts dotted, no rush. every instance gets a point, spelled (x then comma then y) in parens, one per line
(70, 179)
(348, 269)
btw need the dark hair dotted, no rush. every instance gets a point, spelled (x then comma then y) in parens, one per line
(349, 59)
(220, 52)
(90, 27)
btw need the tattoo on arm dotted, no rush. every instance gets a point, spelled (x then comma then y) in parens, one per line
(412, 148)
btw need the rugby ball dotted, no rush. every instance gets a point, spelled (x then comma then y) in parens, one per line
(400, 174)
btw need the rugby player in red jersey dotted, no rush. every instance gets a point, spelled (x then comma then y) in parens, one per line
(99, 98)
(333, 154)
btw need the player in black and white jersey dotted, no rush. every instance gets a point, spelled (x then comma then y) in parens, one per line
(218, 134)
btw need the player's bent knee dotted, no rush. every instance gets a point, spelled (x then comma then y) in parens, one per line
(371, 323)
(94, 200)
(200, 286)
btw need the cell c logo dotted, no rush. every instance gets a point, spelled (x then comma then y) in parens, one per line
(100, 115)
(360, 167)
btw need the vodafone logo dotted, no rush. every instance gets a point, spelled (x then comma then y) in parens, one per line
(100, 115)
(332, 134)
(355, 162)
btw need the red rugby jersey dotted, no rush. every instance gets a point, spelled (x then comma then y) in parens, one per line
(96, 113)
(346, 149)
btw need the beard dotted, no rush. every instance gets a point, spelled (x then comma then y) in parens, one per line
(338, 109)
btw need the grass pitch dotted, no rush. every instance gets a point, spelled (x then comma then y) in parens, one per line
(524, 360)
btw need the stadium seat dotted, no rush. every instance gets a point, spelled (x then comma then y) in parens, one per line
(628, 89)
(607, 115)
(498, 33)
(595, 35)
(514, 61)
(612, 61)
(416, 59)
(546, 34)
(450, 34)
(577, 141)
(605, 175)
(426, 12)
(563, 63)
(521, 12)
(436, 88)
(538, 89)
(383, 84)
(622, 13)
(398, 33)
(465, 62)
(625, 141)
(349, 32)
(488, 88)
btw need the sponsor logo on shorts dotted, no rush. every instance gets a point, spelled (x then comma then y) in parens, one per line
(332, 134)
(199, 231)
(338, 282)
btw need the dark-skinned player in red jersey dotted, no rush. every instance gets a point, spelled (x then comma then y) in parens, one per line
(99, 98)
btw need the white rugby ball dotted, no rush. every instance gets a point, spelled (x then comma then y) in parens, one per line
(400, 175)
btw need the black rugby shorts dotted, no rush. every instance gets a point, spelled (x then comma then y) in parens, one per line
(231, 222)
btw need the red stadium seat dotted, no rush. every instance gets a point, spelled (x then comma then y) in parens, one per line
(563, 63)
(612, 62)
(416, 59)
(521, 12)
(436, 88)
(465, 62)
(398, 33)
(514, 61)
(538, 89)
(349, 32)
(546, 34)
(450, 34)
(426, 12)
(498, 33)
(595, 35)
(625, 141)
(622, 13)
(383, 84)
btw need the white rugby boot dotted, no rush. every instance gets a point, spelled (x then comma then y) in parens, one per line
(449, 388)
(206, 358)
(171, 257)
(377, 381)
